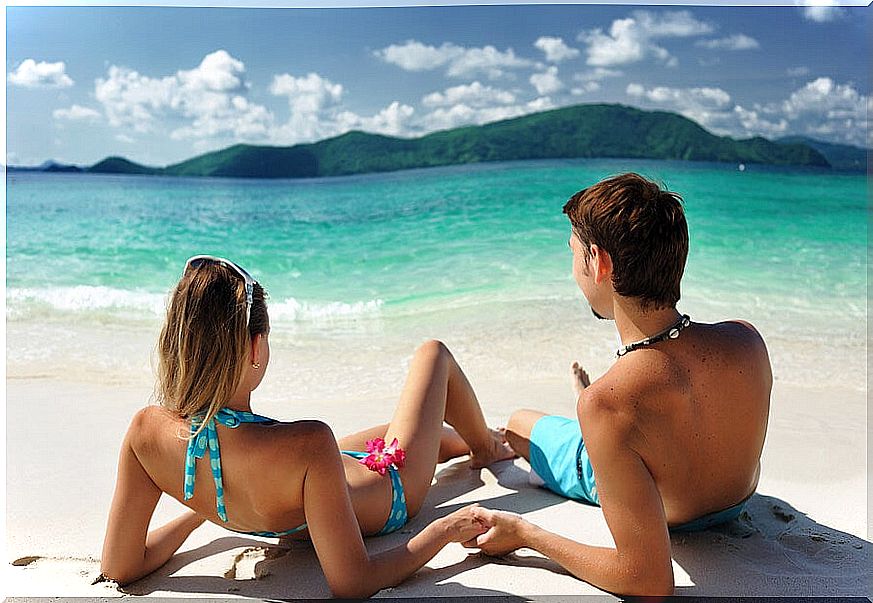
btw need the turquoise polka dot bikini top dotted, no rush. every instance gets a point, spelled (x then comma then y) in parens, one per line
(207, 439)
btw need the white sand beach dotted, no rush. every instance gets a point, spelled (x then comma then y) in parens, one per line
(805, 533)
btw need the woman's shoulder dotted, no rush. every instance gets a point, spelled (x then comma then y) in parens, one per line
(305, 434)
(149, 423)
(306, 442)
(151, 417)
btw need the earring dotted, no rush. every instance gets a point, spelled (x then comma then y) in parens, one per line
(256, 365)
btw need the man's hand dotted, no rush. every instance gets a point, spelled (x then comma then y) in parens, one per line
(503, 535)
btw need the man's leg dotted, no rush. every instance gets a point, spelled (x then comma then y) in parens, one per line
(522, 421)
(518, 430)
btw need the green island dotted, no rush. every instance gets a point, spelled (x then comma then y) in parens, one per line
(580, 131)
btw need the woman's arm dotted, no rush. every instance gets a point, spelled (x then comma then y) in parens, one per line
(348, 568)
(129, 550)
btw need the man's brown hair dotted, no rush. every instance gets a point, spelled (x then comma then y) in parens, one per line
(642, 227)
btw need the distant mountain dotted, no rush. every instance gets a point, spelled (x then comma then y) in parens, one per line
(570, 132)
(120, 165)
(840, 156)
(46, 166)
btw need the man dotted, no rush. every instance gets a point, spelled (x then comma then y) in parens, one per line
(670, 437)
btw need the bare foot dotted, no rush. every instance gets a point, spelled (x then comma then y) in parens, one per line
(580, 378)
(499, 450)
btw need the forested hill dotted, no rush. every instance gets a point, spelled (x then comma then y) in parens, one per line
(840, 156)
(570, 132)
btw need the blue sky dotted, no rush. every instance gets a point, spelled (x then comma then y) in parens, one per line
(161, 84)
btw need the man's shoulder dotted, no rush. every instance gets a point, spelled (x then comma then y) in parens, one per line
(628, 387)
(739, 328)
(643, 372)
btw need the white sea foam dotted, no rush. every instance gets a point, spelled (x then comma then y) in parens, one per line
(100, 301)
(22, 303)
(294, 310)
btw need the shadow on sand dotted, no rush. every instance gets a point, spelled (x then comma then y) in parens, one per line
(290, 569)
(772, 549)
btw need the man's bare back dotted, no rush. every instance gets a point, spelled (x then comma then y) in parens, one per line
(699, 405)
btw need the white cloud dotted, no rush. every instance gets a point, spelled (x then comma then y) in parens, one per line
(474, 95)
(462, 115)
(820, 11)
(458, 60)
(753, 124)
(598, 73)
(312, 100)
(821, 108)
(543, 103)
(444, 118)
(823, 96)
(130, 99)
(76, 113)
(238, 118)
(678, 24)
(217, 72)
(585, 88)
(415, 56)
(797, 71)
(623, 44)
(209, 97)
(824, 108)
(487, 60)
(391, 121)
(710, 97)
(555, 49)
(630, 40)
(706, 106)
(30, 74)
(733, 42)
(547, 82)
(124, 138)
(306, 94)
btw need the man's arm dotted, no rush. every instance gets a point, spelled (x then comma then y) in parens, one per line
(640, 563)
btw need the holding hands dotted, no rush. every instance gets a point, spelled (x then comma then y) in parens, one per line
(463, 526)
(501, 531)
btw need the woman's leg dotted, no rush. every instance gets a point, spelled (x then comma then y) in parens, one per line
(451, 444)
(437, 390)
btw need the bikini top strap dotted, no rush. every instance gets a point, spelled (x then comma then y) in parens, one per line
(207, 439)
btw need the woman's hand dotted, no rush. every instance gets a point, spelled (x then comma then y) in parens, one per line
(462, 525)
(504, 531)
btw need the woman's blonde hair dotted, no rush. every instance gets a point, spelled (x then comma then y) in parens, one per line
(204, 345)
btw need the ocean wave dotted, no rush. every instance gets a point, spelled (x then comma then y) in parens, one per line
(101, 301)
(293, 310)
(33, 302)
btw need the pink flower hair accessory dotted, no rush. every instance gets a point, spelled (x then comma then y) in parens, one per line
(381, 457)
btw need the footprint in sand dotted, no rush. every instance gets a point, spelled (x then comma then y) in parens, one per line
(245, 564)
(24, 561)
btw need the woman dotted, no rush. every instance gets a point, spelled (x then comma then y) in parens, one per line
(282, 478)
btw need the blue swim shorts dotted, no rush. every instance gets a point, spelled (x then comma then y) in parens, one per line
(558, 456)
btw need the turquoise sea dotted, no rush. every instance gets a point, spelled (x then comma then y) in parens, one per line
(477, 253)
